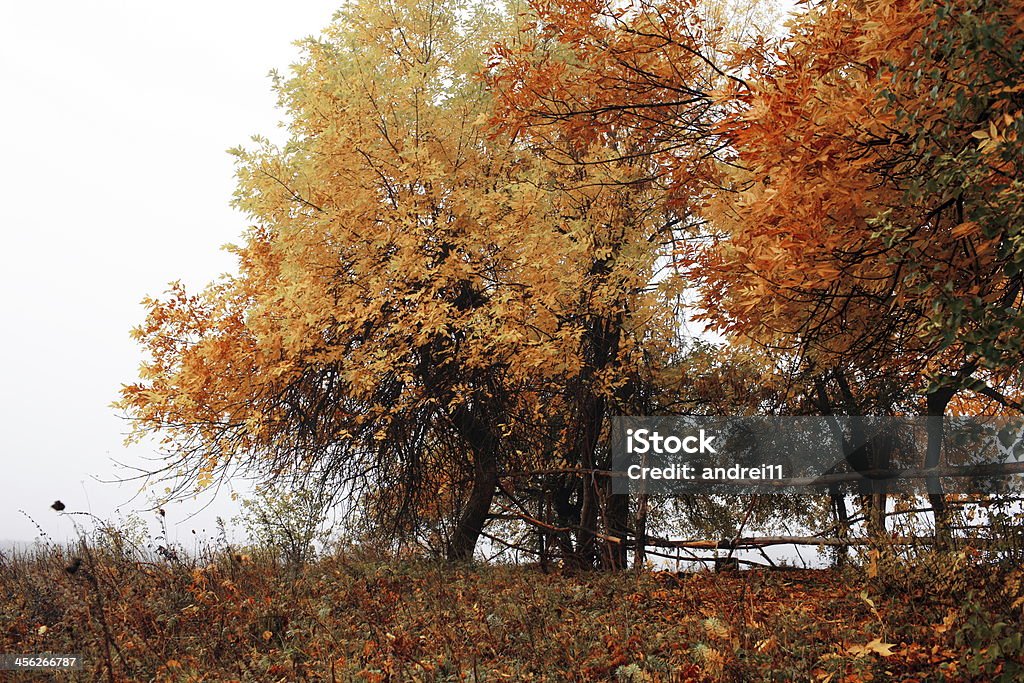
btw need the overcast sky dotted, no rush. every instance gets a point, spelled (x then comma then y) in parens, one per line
(114, 181)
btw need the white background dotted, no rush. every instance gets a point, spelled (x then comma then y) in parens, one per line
(114, 180)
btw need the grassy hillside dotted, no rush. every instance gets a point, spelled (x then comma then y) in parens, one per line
(237, 617)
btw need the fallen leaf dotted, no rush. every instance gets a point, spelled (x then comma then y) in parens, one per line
(876, 646)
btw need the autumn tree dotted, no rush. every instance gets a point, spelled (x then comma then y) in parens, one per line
(602, 87)
(377, 306)
(560, 87)
(858, 182)
(424, 303)
(873, 230)
(485, 233)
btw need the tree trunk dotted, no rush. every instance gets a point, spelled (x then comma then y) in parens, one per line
(617, 520)
(842, 521)
(640, 552)
(935, 409)
(478, 505)
(880, 458)
(476, 431)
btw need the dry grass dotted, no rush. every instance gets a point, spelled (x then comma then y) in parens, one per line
(226, 616)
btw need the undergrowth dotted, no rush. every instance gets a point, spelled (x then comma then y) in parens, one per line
(226, 616)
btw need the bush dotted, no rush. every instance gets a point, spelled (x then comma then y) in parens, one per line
(289, 523)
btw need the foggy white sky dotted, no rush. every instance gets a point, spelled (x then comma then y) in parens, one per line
(113, 181)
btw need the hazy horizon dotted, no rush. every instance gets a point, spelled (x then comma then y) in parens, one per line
(117, 182)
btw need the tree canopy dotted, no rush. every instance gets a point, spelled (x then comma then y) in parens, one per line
(491, 230)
